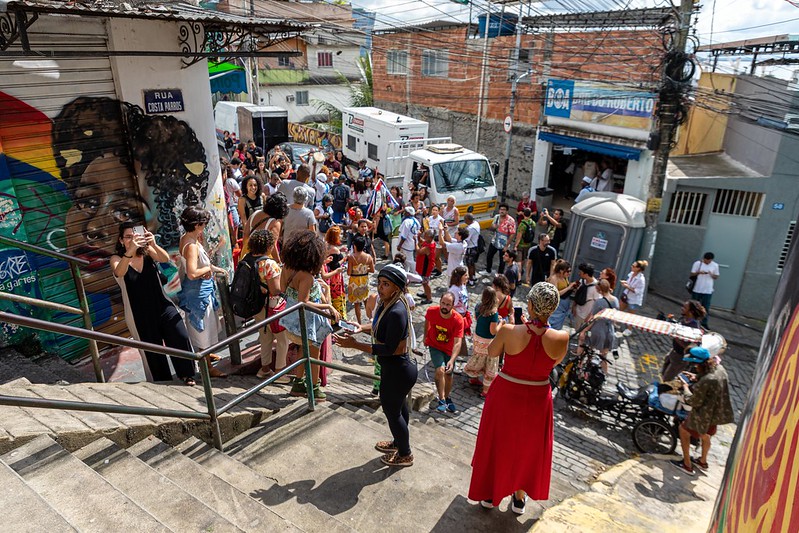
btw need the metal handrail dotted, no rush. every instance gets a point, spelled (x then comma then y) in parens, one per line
(213, 413)
(74, 268)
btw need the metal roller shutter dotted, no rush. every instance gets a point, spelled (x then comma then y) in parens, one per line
(64, 156)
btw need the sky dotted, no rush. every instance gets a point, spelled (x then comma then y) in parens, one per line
(731, 20)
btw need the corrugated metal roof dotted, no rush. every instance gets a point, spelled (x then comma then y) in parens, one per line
(172, 11)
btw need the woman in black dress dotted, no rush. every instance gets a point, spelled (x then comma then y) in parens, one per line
(149, 314)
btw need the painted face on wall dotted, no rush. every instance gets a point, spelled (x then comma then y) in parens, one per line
(105, 196)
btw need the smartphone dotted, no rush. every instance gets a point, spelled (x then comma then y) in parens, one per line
(352, 328)
(517, 315)
(138, 230)
(683, 378)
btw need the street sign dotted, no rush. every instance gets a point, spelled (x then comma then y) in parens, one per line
(159, 101)
(508, 124)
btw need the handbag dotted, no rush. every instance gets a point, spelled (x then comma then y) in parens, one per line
(623, 297)
(271, 311)
(689, 285)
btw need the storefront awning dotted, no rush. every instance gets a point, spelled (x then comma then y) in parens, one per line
(615, 150)
(227, 78)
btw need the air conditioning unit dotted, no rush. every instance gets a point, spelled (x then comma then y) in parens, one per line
(290, 98)
(792, 121)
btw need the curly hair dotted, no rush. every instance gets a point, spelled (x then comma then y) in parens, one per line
(246, 182)
(501, 283)
(333, 236)
(86, 129)
(305, 251)
(261, 241)
(696, 309)
(276, 206)
(173, 161)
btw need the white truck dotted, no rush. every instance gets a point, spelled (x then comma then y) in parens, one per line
(399, 148)
(266, 125)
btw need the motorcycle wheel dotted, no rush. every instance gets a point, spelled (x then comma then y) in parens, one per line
(652, 435)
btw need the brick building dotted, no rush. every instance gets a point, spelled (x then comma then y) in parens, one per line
(433, 71)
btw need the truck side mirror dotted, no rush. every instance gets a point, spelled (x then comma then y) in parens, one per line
(495, 168)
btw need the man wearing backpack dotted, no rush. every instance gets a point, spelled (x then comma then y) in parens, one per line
(585, 295)
(341, 197)
(525, 235)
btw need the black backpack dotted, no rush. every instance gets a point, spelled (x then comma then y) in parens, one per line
(341, 194)
(581, 294)
(481, 244)
(246, 297)
(529, 232)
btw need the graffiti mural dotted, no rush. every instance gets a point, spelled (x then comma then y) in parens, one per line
(759, 490)
(304, 134)
(67, 183)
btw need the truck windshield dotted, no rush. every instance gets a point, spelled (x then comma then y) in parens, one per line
(462, 175)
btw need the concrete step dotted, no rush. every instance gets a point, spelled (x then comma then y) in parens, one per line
(20, 503)
(279, 499)
(78, 493)
(328, 459)
(170, 504)
(227, 501)
(74, 429)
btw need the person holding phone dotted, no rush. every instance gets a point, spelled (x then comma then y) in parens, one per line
(149, 314)
(392, 340)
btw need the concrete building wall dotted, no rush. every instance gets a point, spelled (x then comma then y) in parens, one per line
(285, 96)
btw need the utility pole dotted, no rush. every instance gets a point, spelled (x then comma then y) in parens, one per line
(669, 102)
(510, 133)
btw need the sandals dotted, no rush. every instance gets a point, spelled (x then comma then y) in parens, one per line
(386, 446)
(216, 373)
(265, 373)
(395, 459)
(188, 380)
(698, 462)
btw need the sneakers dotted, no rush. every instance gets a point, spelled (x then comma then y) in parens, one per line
(484, 273)
(318, 394)
(471, 283)
(699, 463)
(680, 465)
(487, 504)
(450, 406)
(436, 272)
(425, 301)
(285, 379)
(627, 332)
(517, 506)
(386, 446)
(375, 391)
(298, 388)
(395, 459)
(442, 406)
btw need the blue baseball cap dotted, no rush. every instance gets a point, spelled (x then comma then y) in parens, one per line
(697, 354)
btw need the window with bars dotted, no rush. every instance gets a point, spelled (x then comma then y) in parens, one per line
(324, 59)
(397, 62)
(687, 208)
(435, 63)
(740, 203)
(786, 246)
(283, 61)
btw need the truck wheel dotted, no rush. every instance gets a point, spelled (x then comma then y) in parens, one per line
(652, 435)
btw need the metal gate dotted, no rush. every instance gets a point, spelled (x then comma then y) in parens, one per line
(62, 155)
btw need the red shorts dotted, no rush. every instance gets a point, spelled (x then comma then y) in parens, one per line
(711, 431)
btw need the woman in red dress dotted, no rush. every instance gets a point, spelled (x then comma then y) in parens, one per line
(513, 454)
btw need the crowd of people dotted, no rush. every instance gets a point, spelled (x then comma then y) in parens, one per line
(310, 234)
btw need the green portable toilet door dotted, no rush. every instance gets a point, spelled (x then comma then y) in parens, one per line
(600, 244)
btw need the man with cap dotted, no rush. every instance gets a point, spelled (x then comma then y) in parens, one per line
(408, 232)
(585, 190)
(391, 342)
(709, 398)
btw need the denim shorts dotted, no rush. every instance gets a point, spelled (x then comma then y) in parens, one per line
(438, 357)
(634, 307)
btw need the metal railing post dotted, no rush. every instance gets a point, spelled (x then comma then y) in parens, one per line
(306, 353)
(230, 320)
(216, 433)
(87, 321)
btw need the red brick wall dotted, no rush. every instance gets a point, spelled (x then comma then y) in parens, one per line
(624, 57)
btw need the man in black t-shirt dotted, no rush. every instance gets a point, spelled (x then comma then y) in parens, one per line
(540, 260)
(341, 196)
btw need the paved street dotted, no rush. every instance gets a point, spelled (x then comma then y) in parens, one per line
(585, 443)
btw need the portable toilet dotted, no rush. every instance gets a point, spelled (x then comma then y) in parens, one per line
(606, 231)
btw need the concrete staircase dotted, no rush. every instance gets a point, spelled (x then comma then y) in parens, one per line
(297, 470)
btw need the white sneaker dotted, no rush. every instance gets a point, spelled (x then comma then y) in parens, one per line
(627, 332)
(517, 506)
(485, 273)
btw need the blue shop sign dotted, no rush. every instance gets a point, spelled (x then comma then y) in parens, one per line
(778, 206)
(160, 101)
(559, 98)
